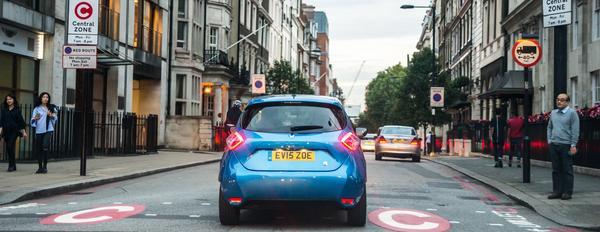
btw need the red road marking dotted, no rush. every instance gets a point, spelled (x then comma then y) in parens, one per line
(94, 215)
(408, 220)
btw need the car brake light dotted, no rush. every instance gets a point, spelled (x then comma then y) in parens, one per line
(414, 142)
(347, 201)
(235, 200)
(350, 141)
(381, 140)
(234, 140)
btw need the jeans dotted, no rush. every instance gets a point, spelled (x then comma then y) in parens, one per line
(562, 168)
(10, 142)
(516, 148)
(42, 147)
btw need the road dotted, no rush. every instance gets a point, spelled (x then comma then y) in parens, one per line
(186, 200)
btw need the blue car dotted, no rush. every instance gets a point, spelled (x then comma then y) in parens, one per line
(293, 150)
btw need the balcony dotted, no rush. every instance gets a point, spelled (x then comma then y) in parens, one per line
(109, 23)
(216, 57)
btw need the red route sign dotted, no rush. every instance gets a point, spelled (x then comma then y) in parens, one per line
(408, 220)
(527, 52)
(94, 215)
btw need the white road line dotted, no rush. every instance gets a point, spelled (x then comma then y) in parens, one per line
(117, 203)
(495, 224)
(480, 211)
(205, 204)
(151, 215)
(72, 203)
(167, 203)
(454, 222)
(431, 209)
(5, 214)
(194, 216)
(41, 213)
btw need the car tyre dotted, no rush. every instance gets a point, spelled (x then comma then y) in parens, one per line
(378, 156)
(228, 215)
(357, 216)
(416, 158)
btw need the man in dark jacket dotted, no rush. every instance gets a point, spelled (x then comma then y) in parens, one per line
(233, 115)
(498, 126)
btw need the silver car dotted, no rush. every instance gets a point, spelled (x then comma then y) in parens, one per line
(398, 142)
(368, 142)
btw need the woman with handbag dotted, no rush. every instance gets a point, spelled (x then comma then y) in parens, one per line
(43, 119)
(12, 126)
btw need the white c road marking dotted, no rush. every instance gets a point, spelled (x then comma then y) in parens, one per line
(70, 217)
(387, 217)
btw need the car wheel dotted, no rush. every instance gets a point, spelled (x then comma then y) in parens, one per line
(357, 216)
(416, 158)
(228, 215)
(377, 156)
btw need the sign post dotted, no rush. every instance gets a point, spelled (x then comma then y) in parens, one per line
(436, 101)
(527, 52)
(80, 53)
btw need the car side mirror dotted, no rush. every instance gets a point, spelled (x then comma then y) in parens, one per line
(361, 132)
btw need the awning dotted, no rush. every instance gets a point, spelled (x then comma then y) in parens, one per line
(511, 84)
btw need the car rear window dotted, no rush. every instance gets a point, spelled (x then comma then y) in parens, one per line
(397, 131)
(293, 117)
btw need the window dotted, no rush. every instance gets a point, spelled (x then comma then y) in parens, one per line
(181, 8)
(213, 38)
(596, 87)
(180, 85)
(180, 108)
(242, 12)
(574, 95)
(398, 131)
(182, 28)
(148, 26)
(18, 76)
(286, 118)
(596, 20)
(575, 26)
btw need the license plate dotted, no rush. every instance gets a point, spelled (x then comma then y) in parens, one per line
(370, 142)
(303, 155)
(398, 141)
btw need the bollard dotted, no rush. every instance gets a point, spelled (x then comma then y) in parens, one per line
(526, 160)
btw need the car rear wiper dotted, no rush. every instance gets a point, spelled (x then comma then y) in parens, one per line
(307, 127)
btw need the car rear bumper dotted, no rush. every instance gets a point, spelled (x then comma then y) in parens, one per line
(260, 186)
(397, 149)
(368, 147)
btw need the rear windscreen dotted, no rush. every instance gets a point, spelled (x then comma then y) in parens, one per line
(293, 118)
(397, 131)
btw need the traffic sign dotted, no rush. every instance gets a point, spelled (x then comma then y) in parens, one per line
(527, 52)
(94, 215)
(258, 84)
(79, 57)
(437, 97)
(557, 12)
(408, 220)
(83, 22)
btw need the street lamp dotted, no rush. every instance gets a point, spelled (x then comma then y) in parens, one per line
(433, 77)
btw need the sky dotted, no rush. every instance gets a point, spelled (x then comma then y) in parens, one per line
(376, 31)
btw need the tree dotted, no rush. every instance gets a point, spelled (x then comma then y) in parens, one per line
(383, 98)
(282, 80)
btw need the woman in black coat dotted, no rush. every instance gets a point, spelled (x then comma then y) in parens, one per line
(12, 126)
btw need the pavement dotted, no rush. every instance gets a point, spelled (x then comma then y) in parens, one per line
(581, 212)
(63, 176)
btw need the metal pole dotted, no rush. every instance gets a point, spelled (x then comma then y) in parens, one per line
(64, 84)
(526, 141)
(433, 77)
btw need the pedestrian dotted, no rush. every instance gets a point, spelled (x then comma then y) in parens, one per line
(563, 134)
(43, 118)
(428, 141)
(515, 133)
(233, 115)
(12, 126)
(498, 135)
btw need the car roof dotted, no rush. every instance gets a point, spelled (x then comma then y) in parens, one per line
(295, 98)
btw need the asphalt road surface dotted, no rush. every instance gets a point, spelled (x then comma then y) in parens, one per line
(186, 200)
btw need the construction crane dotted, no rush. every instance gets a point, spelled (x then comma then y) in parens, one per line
(356, 78)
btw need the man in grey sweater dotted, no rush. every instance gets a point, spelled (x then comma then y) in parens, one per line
(563, 134)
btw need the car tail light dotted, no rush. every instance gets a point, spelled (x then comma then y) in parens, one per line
(381, 140)
(235, 200)
(234, 140)
(350, 141)
(347, 201)
(414, 142)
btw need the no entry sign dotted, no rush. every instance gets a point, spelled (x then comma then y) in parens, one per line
(408, 220)
(95, 215)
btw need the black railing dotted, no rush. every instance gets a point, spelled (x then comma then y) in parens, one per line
(111, 134)
(216, 57)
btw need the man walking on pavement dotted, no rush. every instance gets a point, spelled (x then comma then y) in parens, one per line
(498, 135)
(233, 115)
(563, 134)
(515, 132)
(428, 142)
